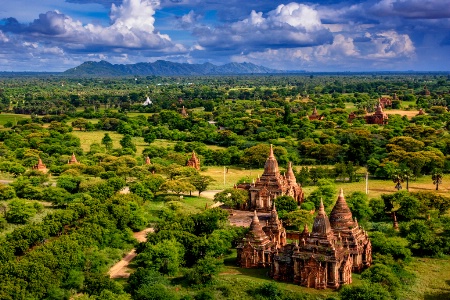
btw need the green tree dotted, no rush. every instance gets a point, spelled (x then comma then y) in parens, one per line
(165, 257)
(201, 182)
(204, 270)
(19, 212)
(366, 291)
(234, 198)
(437, 178)
(285, 204)
(177, 186)
(358, 203)
(127, 143)
(107, 141)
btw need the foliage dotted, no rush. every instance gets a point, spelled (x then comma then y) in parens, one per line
(19, 212)
(204, 270)
(358, 203)
(326, 193)
(233, 198)
(366, 291)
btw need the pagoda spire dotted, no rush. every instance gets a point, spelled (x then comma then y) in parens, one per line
(271, 155)
(290, 173)
(341, 216)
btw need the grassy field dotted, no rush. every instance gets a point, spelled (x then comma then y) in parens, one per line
(376, 186)
(89, 137)
(433, 279)
(14, 118)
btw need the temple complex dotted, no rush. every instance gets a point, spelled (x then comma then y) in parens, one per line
(272, 184)
(193, 162)
(385, 102)
(315, 115)
(322, 258)
(379, 117)
(40, 166)
(147, 160)
(73, 160)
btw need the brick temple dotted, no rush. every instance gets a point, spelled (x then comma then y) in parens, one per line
(272, 184)
(322, 258)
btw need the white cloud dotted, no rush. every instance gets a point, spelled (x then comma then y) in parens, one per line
(3, 37)
(390, 44)
(291, 25)
(132, 26)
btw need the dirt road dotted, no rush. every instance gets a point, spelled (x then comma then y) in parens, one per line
(120, 269)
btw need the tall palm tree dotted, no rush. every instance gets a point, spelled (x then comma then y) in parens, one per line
(406, 174)
(437, 178)
(397, 178)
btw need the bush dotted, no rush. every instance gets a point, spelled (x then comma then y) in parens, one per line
(365, 291)
(395, 246)
(19, 212)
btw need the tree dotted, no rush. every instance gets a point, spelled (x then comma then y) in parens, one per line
(285, 204)
(234, 198)
(366, 291)
(299, 218)
(201, 182)
(165, 257)
(127, 143)
(19, 212)
(397, 179)
(107, 141)
(358, 203)
(205, 270)
(325, 192)
(177, 186)
(437, 178)
(407, 174)
(80, 124)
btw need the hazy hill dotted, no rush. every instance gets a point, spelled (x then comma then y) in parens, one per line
(164, 68)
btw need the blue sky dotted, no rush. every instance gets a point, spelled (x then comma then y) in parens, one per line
(329, 35)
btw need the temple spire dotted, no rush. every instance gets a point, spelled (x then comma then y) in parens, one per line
(321, 207)
(341, 216)
(271, 155)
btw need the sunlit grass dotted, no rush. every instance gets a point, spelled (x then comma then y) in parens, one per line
(14, 118)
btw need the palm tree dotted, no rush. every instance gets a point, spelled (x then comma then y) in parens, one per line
(437, 178)
(397, 178)
(406, 174)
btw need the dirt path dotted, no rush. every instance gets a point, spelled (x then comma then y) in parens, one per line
(120, 269)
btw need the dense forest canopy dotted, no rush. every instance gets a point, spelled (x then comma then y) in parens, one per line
(70, 223)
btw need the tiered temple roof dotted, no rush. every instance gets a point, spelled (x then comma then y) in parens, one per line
(255, 248)
(272, 184)
(193, 162)
(73, 160)
(379, 117)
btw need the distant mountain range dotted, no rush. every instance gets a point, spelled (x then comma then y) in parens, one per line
(164, 68)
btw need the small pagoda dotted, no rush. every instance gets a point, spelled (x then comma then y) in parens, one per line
(379, 117)
(315, 115)
(193, 162)
(40, 166)
(184, 113)
(73, 160)
(147, 160)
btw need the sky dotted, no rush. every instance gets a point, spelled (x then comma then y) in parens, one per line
(315, 36)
